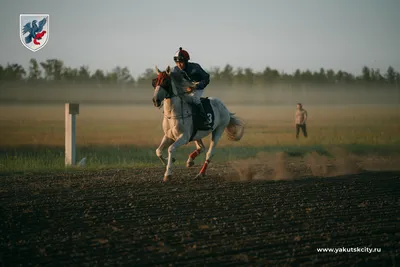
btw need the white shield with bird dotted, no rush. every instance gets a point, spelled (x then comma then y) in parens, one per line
(34, 30)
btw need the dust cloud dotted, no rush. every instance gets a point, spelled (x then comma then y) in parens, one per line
(282, 166)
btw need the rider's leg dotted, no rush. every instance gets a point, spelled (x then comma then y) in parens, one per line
(198, 93)
(197, 102)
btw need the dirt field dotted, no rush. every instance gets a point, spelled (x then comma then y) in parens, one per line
(128, 217)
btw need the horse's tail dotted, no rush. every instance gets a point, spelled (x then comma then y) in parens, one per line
(235, 128)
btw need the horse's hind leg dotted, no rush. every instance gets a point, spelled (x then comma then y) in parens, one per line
(164, 142)
(216, 136)
(199, 148)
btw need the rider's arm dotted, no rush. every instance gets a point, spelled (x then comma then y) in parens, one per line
(205, 77)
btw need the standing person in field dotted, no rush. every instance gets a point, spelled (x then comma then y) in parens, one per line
(300, 120)
(196, 73)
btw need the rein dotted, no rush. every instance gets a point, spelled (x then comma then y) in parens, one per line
(171, 95)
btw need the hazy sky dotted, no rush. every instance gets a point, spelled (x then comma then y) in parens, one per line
(284, 34)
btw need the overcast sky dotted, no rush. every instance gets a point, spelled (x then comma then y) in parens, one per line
(284, 34)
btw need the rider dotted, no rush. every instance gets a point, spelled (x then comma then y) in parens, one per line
(196, 73)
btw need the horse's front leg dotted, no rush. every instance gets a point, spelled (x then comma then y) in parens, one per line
(199, 148)
(180, 141)
(164, 142)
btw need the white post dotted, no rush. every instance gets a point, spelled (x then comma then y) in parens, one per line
(71, 110)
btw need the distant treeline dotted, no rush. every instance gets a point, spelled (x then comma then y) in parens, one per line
(54, 71)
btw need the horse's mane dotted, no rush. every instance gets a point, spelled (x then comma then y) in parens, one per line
(180, 80)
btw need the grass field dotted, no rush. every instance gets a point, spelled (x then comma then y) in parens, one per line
(32, 137)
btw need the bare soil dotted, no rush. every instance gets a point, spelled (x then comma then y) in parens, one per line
(129, 217)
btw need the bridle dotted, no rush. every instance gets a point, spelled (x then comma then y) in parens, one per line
(170, 95)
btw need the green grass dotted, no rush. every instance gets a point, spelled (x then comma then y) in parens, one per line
(45, 159)
(128, 136)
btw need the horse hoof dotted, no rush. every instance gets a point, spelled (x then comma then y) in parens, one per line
(199, 176)
(167, 178)
(189, 164)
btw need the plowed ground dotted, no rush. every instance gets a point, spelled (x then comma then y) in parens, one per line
(129, 217)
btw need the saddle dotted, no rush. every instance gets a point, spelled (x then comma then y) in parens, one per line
(198, 121)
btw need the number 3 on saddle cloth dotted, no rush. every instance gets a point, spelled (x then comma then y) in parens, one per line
(197, 120)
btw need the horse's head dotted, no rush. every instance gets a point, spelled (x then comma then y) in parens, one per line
(168, 84)
(162, 86)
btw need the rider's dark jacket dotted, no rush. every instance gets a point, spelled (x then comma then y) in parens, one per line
(196, 74)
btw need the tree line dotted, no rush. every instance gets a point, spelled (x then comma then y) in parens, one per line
(54, 70)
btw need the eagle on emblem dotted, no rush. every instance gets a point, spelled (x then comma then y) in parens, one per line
(35, 31)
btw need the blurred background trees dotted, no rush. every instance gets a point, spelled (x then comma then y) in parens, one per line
(54, 71)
